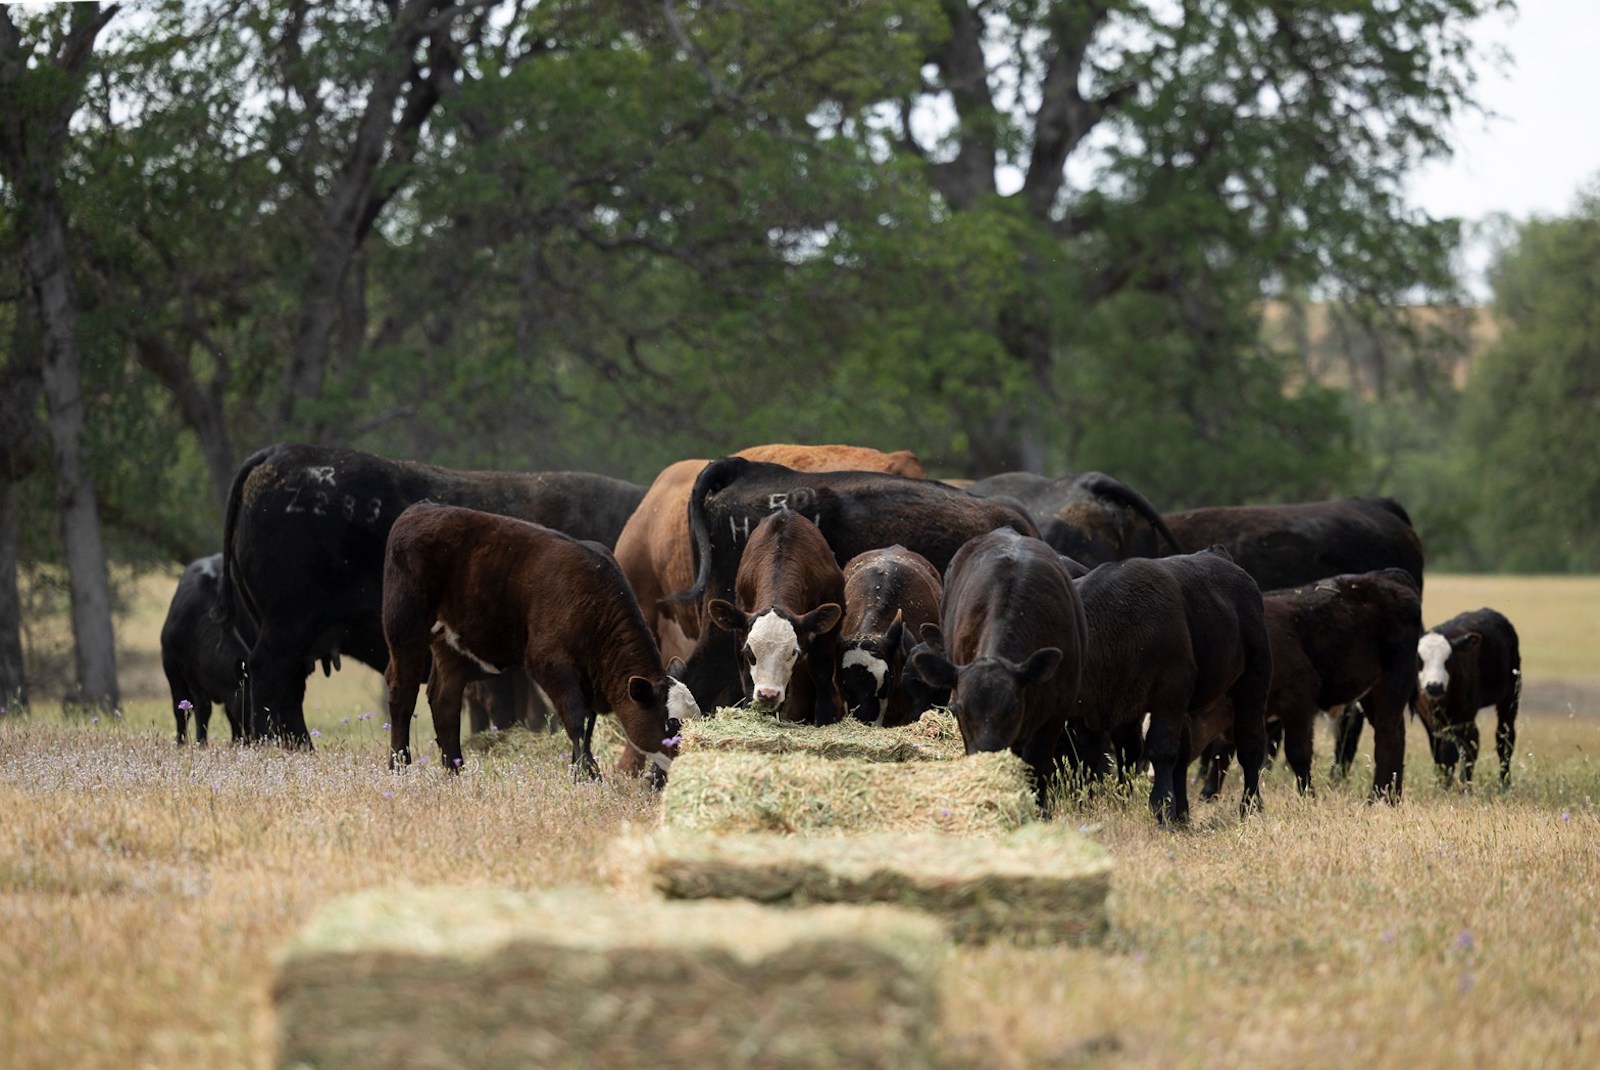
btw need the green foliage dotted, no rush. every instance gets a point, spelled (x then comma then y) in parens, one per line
(1531, 418)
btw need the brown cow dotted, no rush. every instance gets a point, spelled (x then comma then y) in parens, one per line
(1343, 639)
(654, 549)
(791, 600)
(1013, 630)
(476, 594)
(889, 594)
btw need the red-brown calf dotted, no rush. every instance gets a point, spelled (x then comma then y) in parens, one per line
(474, 594)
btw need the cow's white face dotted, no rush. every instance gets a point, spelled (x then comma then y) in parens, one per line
(878, 669)
(1433, 650)
(773, 647)
(680, 701)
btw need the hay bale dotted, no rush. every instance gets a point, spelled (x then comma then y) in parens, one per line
(933, 738)
(735, 791)
(1043, 883)
(451, 977)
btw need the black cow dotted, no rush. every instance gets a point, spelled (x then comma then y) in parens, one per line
(1091, 517)
(1338, 641)
(199, 655)
(1470, 661)
(1169, 637)
(855, 511)
(1286, 546)
(303, 543)
(1013, 632)
(889, 594)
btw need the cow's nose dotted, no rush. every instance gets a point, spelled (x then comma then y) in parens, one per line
(768, 694)
(1434, 689)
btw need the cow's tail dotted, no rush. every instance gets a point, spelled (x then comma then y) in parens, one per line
(1115, 489)
(712, 478)
(224, 608)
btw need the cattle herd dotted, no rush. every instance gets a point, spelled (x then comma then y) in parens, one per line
(1066, 620)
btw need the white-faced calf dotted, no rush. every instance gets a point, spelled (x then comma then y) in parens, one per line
(791, 601)
(1470, 661)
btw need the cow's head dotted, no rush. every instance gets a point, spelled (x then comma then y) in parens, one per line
(987, 695)
(1436, 654)
(772, 641)
(653, 714)
(868, 669)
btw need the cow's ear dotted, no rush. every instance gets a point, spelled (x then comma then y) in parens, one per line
(726, 615)
(894, 635)
(932, 635)
(823, 619)
(1463, 643)
(934, 670)
(642, 691)
(675, 668)
(1040, 666)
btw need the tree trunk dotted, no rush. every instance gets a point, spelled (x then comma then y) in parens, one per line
(13, 678)
(88, 580)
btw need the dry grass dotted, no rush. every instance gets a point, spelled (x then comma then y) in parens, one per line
(145, 889)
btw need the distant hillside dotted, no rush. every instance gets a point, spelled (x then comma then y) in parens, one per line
(1338, 346)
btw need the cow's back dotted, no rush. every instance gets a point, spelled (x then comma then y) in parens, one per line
(1288, 545)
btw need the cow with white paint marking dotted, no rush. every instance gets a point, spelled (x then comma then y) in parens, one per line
(790, 603)
(303, 539)
(472, 594)
(1470, 661)
(889, 594)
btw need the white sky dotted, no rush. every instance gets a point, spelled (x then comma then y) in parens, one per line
(1545, 143)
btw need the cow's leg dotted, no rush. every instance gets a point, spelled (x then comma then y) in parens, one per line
(446, 687)
(1468, 734)
(1346, 739)
(202, 721)
(1276, 734)
(1214, 762)
(1388, 751)
(1505, 735)
(233, 708)
(1041, 753)
(276, 671)
(1180, 773)
(566, 695)
(1444, 755)
(1162, 748)
(1298, 733)
(408, 668)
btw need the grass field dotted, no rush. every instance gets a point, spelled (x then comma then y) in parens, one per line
(144, 889)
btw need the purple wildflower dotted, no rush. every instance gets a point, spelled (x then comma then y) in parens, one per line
(386, 724)
(1464, 941)
(672, 741)
(316, 731)
(388, 795)
(185, 705)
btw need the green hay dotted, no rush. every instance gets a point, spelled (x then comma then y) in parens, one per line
(935, 737)
(492, 979)
(1040, 884)
(736, 791)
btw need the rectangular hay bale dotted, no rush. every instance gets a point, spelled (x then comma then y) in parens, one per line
(736, 791)
(936, 737)
(1043, 883)
(487, 978)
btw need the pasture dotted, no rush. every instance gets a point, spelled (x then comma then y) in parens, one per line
(144, 889)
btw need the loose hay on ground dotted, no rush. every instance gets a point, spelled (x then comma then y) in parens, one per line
(734, 791)
(419, 977)
(933, 738)
(1039, 884)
